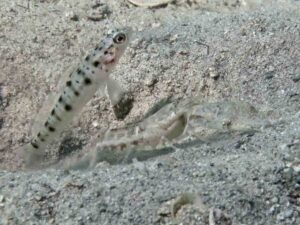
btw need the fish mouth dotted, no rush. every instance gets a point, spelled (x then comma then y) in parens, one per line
(110, 57)
(106, 62)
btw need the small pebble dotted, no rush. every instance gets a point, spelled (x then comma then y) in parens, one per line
(213, 73)
(72, 16)
(273, 208)
(296, 166)
(155, 25)
(151, 81)
(269, 75)
(95, 124)
(274, 200)
(174, 38)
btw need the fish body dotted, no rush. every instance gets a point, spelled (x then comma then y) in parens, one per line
(92, 74)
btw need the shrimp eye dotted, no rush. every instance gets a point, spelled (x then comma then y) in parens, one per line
(119, 38)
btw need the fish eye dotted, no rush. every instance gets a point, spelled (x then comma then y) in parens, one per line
(119, 38)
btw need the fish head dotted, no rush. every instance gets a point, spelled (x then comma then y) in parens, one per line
(114, 46)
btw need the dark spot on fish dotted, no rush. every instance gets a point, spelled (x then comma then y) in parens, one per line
(96, 63)
(39, 136)
(87, 58)
(34, 144)
(93, 71)
(60, 99)
(68, 107)
(77, 81)
(106, 70)
(46, 124)
(87, 68)
(53, 113)
(80, 72)
(87, 81)
(105, 52)
(98, 48)
(69, 83)
(52, 129)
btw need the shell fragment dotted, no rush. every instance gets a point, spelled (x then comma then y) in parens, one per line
(149, 3)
